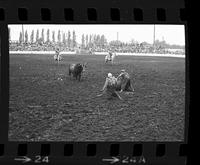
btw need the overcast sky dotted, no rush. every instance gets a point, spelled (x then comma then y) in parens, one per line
(172, 34)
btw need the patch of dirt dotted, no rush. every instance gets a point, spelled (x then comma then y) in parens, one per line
(47, 105)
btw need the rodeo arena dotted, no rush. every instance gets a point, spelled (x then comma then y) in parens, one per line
(94, 90)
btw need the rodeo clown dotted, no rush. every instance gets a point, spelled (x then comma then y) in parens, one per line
(110, 87)
(110, 53)
(126, 81)
(57, 56)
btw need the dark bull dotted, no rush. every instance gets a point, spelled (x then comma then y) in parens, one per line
(76, 70)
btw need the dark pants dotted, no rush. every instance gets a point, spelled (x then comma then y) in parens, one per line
(126, 86)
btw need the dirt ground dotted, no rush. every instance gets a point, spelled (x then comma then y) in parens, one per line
(47, 105)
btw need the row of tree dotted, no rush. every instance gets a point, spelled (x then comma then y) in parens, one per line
(68, 39)
(93, 40)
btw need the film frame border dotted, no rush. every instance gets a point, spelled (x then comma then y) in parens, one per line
(21, 12)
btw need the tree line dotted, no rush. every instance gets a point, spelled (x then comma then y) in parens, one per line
(93, 40)
(68, 39)
(39, 37)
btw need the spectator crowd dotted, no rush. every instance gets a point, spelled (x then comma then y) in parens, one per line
(126, 48)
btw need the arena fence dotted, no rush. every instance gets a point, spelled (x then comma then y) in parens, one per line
(97, 53)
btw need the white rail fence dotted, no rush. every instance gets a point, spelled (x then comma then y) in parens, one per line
(98, 53)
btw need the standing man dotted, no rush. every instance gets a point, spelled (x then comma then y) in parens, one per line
(57, 52)
(110, 54)
(58, 56)
(90, 51)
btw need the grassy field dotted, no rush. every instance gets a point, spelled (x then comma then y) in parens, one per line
(42, 107)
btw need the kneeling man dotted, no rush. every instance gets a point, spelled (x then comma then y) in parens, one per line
(124, 82)
(110, 87)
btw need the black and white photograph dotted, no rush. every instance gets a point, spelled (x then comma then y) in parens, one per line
(96, 82)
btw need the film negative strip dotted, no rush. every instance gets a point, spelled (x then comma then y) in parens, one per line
(55, 58)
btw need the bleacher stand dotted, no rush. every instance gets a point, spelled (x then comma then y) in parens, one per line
(127, 48)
